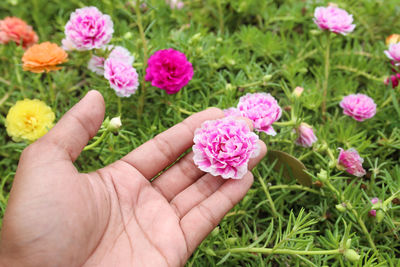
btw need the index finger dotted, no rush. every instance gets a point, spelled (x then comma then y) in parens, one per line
(158, 153)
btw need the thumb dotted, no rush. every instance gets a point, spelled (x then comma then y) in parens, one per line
(77, 126)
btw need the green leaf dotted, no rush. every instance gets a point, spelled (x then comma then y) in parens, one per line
(292, 167)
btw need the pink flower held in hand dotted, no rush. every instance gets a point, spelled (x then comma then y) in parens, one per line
(351, 161)
(169, 70)
(262, 109)
(123, 78)
(358, 106)
(224, 147)
(306, 135)
(88, 29)
(393, 53)
(334, 19)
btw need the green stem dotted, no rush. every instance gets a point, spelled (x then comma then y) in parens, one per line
(119, 106)
(98, 141)
(220, 17)
(295, 187)
(144, 43)
(365, 230)
(281, 251)
(271, 202)
(51, 88)
(326, 76)
(256, 83)
(285, 123)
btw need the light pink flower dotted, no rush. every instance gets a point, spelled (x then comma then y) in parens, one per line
(334, 19)
(175, 4)
(298, 91)
(262, 109)
(88, 29)
(224, 147)
(123, 78)
(96, 64)
(306, 135)
(351, 161)
(232, 112)
(358, 106)
(67, 45)
(169, 70)
(393, 53)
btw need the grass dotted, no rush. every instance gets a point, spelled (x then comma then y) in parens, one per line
(236, 47)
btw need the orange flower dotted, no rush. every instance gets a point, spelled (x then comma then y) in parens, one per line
(16, 30)
(44, 57)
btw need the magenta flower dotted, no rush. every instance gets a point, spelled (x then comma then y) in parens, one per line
(351, 161)
(358, 106)
(306, 135)
(224, 147)
(169, 70)
(232, 112)
(262, 109)
(123, 78)
(96, 64)
(372, 213)
(334, 19)
(393, 53)
(393, 79)
(88, 29)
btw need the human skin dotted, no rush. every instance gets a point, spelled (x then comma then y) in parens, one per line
(114, 216)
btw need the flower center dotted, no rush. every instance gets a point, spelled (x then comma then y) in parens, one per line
(30, 121)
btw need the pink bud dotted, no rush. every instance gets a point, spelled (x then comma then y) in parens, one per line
(351, 161)
(306, 135)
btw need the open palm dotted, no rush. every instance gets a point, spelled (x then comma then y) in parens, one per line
(114, 216)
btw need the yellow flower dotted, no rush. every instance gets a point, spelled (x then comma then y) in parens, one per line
(29, 120)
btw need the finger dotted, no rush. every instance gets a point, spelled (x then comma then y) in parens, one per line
(77, 126)
(205, 187)
(182, 174)
(204, 217)
(161, 151)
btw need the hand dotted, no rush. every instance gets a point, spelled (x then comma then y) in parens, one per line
(114, 216)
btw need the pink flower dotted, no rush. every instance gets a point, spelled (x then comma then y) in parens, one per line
(351, 161)
(88, 29)
(234, 112)
(96, 63)
(262, 109)
(334, 19)
(169, 70)
(306, 135)
(123, 78)
(358, 106)
(224, 147)
(393, 53)
(175, 4)
(393, 79)
(298, 91)
(372, 213)
(67, 45)
(375, 200)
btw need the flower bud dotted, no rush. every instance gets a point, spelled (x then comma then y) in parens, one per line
(114, 124)
(351, 255)
(341, 207)
(380, 214)
(348, 243)
(306, 135)
(298, 91)
(322, 175)
(215, 232)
